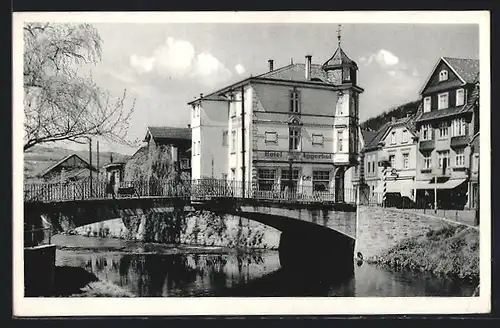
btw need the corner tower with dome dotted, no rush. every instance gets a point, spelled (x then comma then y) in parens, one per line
(291, 128)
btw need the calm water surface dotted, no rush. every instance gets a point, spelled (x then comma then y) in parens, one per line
(152, 270)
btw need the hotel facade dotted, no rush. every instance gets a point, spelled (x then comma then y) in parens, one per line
(295, 127)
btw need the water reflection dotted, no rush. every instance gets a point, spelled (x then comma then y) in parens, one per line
(241, 274)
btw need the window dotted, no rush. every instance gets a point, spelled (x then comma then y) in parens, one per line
(224, 138)
(443, 75)
(271, 137)
(460, 97)
(340, 140)
(199, 147)
(233, 141)
(443, 100)
(443, 130)
(405, 136)
(406, 161)
(185, 163)
(392, 159)
(427, 104)
(317, 139)
(443, 158)
(340, 103)
(459, 125)
(232, 109)
(475, 164)
(321, 179)
(295, 101)
(393, 137)
(198, 110)
(427, 160)
(285, 178)
(426, 132)
(294, 138)
(266, 179)
(459, 157)
(194, 110)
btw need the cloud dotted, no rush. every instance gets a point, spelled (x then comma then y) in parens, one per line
(239, 69)
(178, 59)
(142, 64)
(383, 57)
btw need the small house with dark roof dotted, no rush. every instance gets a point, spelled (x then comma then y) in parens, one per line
(293, 126)
(69, 168)
(177, 140)
(446, 122)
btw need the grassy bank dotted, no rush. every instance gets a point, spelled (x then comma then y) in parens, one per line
(103, 289)
(451, 251)
(78, 282)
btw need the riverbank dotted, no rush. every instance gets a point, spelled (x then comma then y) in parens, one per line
(72, 281)
(449, 251)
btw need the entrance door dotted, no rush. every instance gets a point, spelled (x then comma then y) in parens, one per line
(339, 185)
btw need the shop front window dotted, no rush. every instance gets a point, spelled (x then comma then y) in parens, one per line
(285, 179)
(321, 180)
(266, 179)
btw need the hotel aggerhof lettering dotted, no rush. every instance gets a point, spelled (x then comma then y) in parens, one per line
(284, 155)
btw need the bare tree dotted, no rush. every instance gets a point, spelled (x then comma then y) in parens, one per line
(61, 103)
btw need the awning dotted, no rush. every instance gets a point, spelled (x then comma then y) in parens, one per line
(404, 187)
(450, 184)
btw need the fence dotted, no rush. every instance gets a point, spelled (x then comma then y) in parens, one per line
(194, 189)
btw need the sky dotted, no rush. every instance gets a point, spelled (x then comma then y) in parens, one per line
(164, 66)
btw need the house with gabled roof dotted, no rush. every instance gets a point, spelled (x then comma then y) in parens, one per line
(294, 126)
(395, 142)
(446, 122)
(177, 140)
(69, 168)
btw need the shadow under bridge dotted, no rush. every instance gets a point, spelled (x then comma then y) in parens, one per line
(312, 235)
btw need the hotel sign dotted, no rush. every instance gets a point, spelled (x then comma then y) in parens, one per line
(270, 155)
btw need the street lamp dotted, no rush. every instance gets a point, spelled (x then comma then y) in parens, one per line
(90, 161)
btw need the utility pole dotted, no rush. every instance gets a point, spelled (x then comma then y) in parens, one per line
(98, 167)
(90, 166)
(243, 168)
(290, 180)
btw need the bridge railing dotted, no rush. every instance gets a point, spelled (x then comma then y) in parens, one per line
(189, 189)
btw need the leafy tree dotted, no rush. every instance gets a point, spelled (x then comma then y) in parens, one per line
(61, 103)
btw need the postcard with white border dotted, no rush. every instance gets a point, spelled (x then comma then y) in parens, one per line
(251, 163)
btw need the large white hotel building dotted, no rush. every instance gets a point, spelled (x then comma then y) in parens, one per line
(300, 116)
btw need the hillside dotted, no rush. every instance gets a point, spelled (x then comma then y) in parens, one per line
(38, 158)
(375, 123)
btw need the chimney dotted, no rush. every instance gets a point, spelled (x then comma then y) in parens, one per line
(189, 126)
(201, 95)
(308, 67)
(271, 67)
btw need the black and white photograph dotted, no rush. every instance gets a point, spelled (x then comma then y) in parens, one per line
(251, 163)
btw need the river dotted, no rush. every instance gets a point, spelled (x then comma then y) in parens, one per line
(155, 270)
